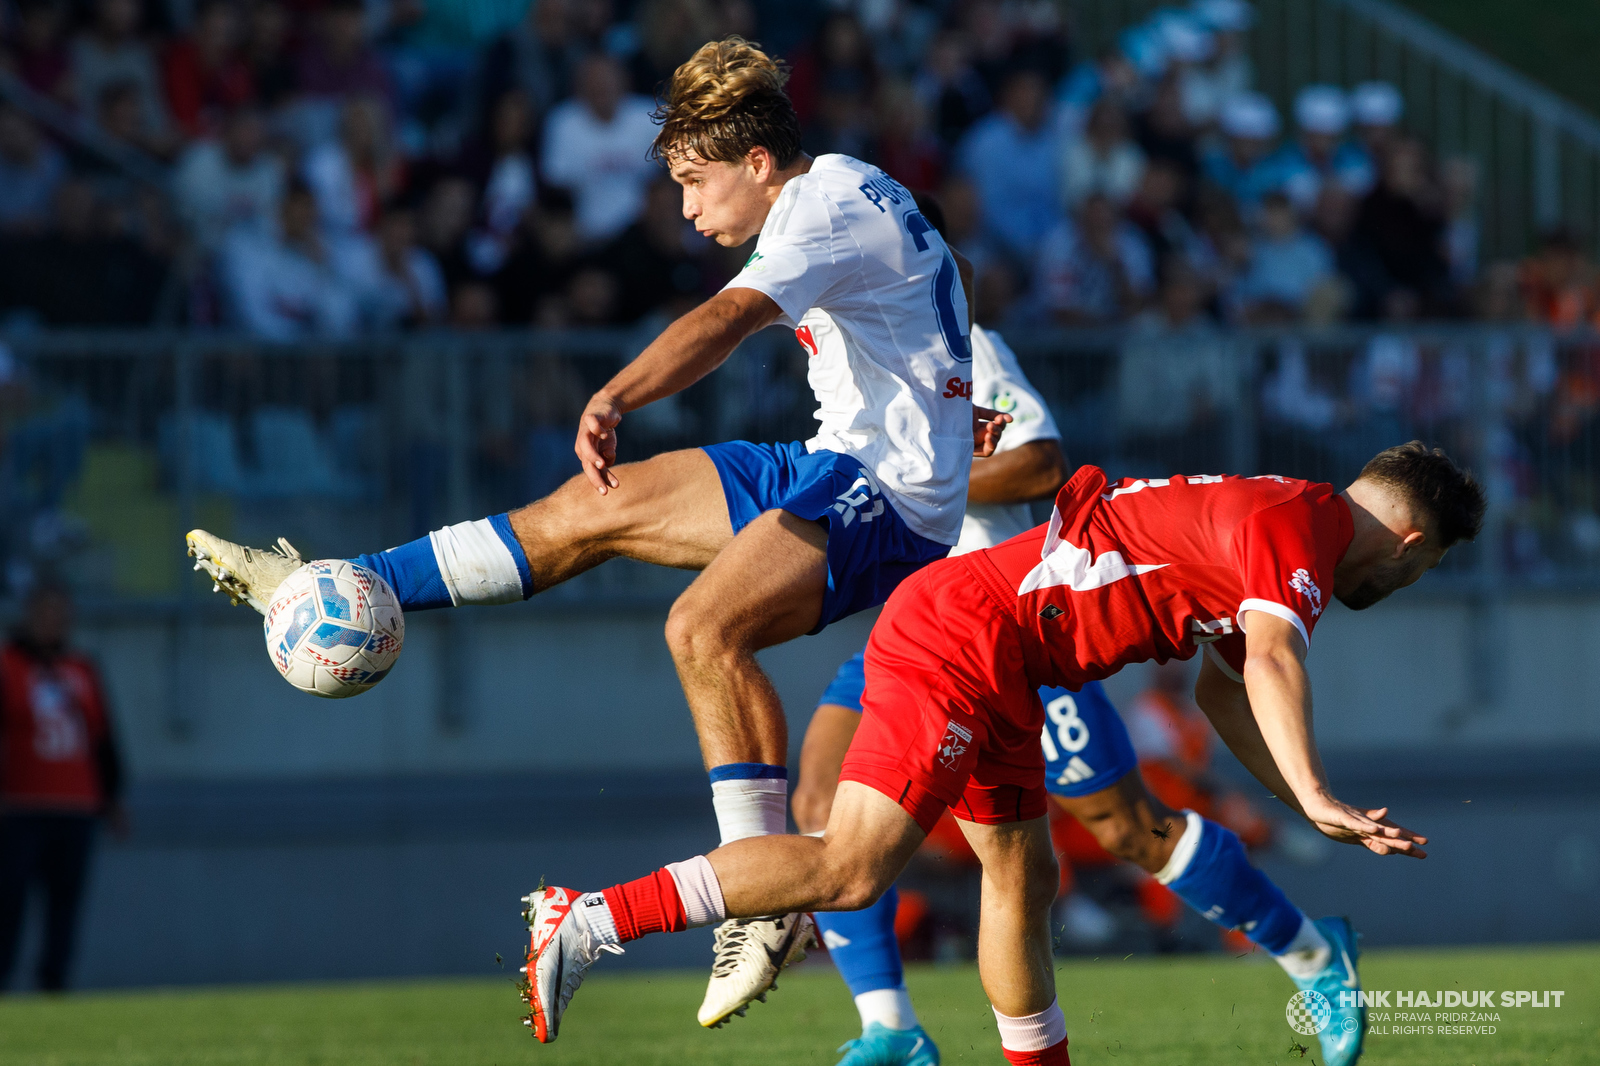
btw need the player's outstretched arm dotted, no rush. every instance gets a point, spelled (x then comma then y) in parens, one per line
(1032, 471)
(686, 351)
(1278, 695)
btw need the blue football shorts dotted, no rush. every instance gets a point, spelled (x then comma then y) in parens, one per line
(1086, 745)
(870, 548)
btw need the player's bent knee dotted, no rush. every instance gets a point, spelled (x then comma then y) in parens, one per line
(853, 881)
(695, 630)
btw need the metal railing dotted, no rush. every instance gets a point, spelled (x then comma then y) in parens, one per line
(1538, 155)
(113, 445)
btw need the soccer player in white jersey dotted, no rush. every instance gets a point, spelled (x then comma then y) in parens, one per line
(788, 538)
(1028, 465)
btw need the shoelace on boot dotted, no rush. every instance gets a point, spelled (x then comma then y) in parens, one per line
(730, 942)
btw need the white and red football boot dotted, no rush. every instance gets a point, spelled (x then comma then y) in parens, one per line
(561, 948)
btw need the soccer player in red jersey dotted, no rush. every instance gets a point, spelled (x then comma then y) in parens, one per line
(1123, 573)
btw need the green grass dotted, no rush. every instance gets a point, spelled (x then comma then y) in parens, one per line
(1184, 1012)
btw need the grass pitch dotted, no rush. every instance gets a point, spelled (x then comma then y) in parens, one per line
(1172, 1011)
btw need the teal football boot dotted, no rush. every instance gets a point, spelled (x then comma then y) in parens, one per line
(1347, 1024)
(878, 1045)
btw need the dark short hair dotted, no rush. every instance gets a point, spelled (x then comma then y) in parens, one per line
(1432, 482)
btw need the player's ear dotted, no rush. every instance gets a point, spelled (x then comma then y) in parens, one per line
(762, 165)
(1410, 542)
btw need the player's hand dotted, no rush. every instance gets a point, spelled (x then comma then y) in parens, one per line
(987, 426)
(1371, 829)
(597, 442)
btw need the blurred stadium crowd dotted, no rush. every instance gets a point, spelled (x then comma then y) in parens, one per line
(349, 166)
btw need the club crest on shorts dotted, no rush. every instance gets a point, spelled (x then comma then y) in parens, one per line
(954, 744)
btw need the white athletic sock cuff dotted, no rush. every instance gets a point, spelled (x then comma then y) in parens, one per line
(475, 564)
(1183, 851)
(1307, 953)
(751, 807)
(698, 890)
(889, 1007)
(596, 914)
(1034, 1032)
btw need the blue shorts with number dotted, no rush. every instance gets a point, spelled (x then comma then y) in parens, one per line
(870, 548)
(1086, 746)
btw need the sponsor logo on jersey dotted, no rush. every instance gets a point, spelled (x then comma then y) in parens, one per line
(1005, 403)
(753, 263)
(954, 745)
(955, 387)
(807, 340)
(1300, 581)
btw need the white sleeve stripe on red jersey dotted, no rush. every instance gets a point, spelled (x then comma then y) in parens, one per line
(1285, 613)
(1222, 664)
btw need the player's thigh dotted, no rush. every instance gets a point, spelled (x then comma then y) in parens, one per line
(764, 588)
(868, 842)
(668, 509)
(1018, 859)
(821, 756)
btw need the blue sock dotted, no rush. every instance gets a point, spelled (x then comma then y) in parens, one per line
(863, 945)
(470, 563)
(1218, 881)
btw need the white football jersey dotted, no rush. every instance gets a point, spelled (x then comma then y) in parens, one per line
(998, 383)
(874, 296)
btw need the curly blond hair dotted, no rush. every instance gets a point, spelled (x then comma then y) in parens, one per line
(727, 99)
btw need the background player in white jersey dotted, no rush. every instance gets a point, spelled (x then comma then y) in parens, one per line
(788, 538)
(1027, 465)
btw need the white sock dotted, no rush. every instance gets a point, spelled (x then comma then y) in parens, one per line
(1034, 1032)
(698, 890)
(751, 807)
(1183, 851)
(475, 564)
(1307, 953)
(593, 911)
(889, 1007)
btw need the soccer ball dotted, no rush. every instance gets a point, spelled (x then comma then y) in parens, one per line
(334, 628)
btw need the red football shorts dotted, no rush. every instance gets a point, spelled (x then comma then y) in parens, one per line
(949, 718)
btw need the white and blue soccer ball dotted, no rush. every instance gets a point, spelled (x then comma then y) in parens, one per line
(334, 628)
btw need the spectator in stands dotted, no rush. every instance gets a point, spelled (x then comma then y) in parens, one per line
(1458, 181)
(951, 89)
(1104, 160)
(1154, 209)
(1376, 107)
(597, 146)
(545, 253)
(205, 75)
(31, 168)
(1223, 249)
(1095, 269)
(906, 147)
(229, 182)
(444, 227)
(1013, 158)
(355, 175)
(1287, 265)
(839, 64)
(1240, 166)
(398, 285)
(111, 53)
(1109, 76)
(1320, 155)
(339, 61)
(1163, 133)
(1228, 68)
(474, 306)
(1559, 282)
(118, 113)
(509, 182)
(81, 273)
(283, 285)
(273, 71)
(60, 777)
(656, 267)
(39, 49)
(539, 56)
(1400, 226)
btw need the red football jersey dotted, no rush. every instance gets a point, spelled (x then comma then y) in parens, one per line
(1157, 568)
(51, 717)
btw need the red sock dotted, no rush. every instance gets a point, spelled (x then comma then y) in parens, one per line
(1054, 1055)
(648, 905)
